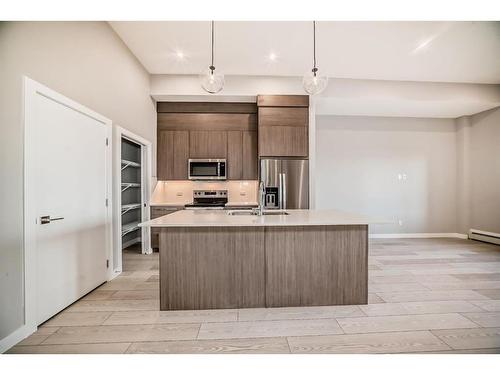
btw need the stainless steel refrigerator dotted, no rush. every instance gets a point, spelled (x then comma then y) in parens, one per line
(286, 183)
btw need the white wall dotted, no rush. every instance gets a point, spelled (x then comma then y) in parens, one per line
(485, 171)
(85, 61)
(463, 126)
(358, 160)
(346, 97)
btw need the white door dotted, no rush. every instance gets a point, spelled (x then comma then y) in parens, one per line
(69, 175)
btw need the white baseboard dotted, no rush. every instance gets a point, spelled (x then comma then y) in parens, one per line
(17, 336)
(484, 236)
(419, 235)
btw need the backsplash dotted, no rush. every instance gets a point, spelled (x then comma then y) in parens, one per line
(181, 192)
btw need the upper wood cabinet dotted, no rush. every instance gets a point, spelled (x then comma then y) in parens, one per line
(250, 157)
(206, 107)
(235, 155)
(173, 154)
(242, 155)
(283, 125)
(207, 121)
(276, 141)
(207, 130)
(283, 116)
(211, 144)
(283, 101)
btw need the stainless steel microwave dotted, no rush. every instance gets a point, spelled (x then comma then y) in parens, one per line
(207, 169)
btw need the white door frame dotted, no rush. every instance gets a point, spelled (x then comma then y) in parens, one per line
(146, 158)
(31, 90)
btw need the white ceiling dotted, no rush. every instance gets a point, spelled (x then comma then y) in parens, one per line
(403, 51)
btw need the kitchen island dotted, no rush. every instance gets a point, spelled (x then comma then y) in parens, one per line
(213, 259)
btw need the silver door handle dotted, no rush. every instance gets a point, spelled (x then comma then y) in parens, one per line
(280, 192)
(47, 219)
(284, 191)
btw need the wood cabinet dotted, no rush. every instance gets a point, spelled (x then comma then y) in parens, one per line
(234, 155)
(242, 155)
(283, 116)
(212, 268)
(157, 211)
(175, 147)
(216, 131)
(206, 121)
(206, 107)
(283, 125)
(211, 144)
(283, 141)
(316, 265)
(250, 157)
(241, 267)
(173, 154)
(283, 101)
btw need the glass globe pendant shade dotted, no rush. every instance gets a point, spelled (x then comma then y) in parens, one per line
(314, 83)
(211, 81)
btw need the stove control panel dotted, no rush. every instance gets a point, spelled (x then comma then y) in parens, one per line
(209, 193)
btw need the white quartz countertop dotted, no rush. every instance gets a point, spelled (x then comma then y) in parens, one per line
(168, 204)
(182, 204)
(220, 218)
(242, 204)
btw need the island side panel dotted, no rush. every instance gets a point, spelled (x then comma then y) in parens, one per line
(211, 268)
(316, 265)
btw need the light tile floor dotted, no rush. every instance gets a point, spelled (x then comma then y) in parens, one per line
(425, 296)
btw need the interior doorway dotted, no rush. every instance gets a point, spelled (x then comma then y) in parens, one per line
(132, 192)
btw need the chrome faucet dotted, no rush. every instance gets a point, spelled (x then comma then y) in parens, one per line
(262, 197)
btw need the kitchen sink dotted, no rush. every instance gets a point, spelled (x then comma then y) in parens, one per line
(241, 213)
(255, 213)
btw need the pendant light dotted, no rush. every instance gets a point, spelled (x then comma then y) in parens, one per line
(211, 81)
(313, 82)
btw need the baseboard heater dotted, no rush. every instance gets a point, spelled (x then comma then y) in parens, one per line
(480, 235)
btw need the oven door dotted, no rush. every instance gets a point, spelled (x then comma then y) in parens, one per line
(207, 169)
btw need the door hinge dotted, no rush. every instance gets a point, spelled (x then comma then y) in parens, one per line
(107, 142)
(107, 263)
(106, 202)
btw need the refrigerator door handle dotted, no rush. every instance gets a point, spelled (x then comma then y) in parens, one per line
(280, 191)
(284, 190)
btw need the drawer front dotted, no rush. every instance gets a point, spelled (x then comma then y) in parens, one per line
(162, 211)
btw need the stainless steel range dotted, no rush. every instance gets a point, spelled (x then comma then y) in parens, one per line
(208, 199)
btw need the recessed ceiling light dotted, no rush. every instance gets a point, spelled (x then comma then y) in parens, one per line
(423, 44)
(180, 55)
(272, 56)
